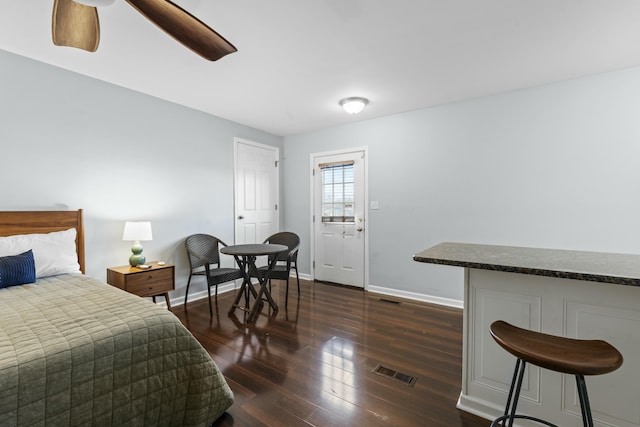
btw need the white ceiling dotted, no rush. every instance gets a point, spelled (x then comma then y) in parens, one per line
(297, 58)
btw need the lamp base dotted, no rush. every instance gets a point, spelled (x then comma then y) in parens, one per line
(137, 258)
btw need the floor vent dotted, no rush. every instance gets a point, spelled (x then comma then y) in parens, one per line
(389, 301)
(392, 373)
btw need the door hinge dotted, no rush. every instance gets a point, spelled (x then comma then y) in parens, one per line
(276, 206)
(314, 265)
(313, 172)
(313, 219)
(276, 165)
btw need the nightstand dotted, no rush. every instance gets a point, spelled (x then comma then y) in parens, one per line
(150, 282)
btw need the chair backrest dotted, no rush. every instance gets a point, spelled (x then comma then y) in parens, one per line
(290, 240)
(203, 249)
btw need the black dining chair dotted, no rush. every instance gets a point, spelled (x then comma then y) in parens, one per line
(285, 261)
(203, 251)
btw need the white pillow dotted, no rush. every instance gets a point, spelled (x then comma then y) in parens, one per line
(54, 253)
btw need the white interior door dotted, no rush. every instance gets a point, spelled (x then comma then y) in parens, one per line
(339, 218)
(256, 191)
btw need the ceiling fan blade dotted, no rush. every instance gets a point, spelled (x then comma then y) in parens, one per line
(75, 25)
(185, 28)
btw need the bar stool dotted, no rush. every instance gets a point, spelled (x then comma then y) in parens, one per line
(565, 355)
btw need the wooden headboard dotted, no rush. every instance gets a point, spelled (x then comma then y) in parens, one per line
(28, 222)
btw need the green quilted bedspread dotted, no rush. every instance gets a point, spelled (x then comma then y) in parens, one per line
(75, 351)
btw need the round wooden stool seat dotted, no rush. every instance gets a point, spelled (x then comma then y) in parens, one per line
(567, 355)
(560, 354)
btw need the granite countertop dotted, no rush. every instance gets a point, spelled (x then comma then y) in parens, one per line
(620, 269)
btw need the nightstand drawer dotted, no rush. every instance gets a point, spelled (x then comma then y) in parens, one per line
(157, 280)
(150, 282)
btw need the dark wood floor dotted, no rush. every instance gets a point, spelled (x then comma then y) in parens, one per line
(312, 362)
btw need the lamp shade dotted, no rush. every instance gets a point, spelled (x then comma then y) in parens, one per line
(137, 231)
(354, 105)
(95, 3)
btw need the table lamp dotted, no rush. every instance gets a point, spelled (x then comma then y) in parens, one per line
(136, 232)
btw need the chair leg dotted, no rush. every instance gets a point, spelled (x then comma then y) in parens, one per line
(286, 294)
(209, 292)
(186, 294)
(297, 278)
(587, 419)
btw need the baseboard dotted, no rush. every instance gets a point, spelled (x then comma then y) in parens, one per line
(303, 276)
(231, 287)
(480, 408)
(416, 296)
(194, 296)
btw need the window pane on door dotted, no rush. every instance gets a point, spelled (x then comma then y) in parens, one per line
(337, 192)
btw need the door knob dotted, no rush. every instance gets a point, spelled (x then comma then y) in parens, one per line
(240, 217)
(359, 229)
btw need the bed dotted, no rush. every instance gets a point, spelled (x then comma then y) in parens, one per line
(75, 351)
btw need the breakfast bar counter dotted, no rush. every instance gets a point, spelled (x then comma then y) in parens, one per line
(620, 269)
(576, 294)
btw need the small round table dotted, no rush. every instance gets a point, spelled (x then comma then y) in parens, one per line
(245, 256)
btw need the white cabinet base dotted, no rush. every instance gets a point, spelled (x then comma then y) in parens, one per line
(570, 308)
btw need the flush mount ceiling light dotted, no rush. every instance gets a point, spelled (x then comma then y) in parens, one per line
(354, 104)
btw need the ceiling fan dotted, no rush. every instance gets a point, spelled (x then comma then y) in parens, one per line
(75, 23)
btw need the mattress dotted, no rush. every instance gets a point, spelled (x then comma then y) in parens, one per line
(75, 351)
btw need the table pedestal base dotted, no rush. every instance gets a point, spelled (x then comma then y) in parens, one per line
(248, 265)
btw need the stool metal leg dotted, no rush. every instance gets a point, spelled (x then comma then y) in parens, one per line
(514, 394)
(587, 419)
(512, 400)
(519, 364)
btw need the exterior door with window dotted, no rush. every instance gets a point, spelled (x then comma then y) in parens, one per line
(339, 208)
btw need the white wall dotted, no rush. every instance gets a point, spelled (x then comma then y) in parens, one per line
(69, 141)
(556, 166)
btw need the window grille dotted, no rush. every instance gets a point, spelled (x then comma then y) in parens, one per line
(338, 192)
